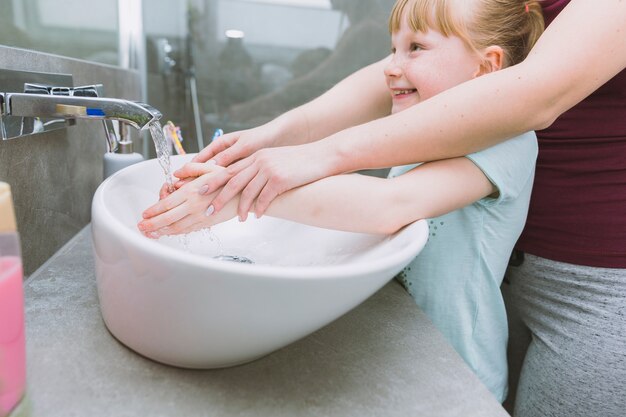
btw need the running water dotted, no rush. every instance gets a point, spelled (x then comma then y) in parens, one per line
(208, 234)
(162, 152)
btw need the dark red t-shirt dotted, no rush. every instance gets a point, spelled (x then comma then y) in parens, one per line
(578, 206)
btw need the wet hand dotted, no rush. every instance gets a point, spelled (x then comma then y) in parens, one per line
(189, 172)
(185, 209)
(266, 174)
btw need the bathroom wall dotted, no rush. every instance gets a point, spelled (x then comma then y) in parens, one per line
(54, 175)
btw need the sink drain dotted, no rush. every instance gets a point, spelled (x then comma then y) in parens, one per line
(234, 258)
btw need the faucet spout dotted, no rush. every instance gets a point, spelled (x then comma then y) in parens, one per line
(138, 115)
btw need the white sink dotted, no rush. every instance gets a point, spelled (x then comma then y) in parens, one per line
(185, 308)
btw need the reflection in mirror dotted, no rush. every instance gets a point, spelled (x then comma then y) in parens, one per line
(234, 64)
(308, 51)
(73, 28)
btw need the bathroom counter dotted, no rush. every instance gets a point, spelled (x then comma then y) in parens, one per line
(384, 358)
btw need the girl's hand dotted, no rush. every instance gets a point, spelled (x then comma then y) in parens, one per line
(189, 172)
(185, 210)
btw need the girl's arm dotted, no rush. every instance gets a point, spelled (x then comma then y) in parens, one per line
(355, 203)
(360, 203)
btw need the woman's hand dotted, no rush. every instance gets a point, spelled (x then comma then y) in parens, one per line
(234, 146)
(224, 151)
(260, 178)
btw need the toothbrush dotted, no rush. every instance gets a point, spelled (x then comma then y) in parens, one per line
(218, 132)
(174, 135)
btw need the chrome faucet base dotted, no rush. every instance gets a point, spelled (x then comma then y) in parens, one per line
(40, 106)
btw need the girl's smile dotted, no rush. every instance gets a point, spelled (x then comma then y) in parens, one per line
(402, 93)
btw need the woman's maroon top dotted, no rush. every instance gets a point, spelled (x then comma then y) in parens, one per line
(578, 206)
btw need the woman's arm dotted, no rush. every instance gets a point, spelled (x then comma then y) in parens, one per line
(359, 98)
(355, 203)
(582, 49)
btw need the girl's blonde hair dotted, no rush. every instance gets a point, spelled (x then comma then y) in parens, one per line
(514, 25)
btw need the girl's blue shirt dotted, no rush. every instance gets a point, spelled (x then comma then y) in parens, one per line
(456, 278)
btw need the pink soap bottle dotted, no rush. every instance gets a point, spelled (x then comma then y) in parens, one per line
(12, 346)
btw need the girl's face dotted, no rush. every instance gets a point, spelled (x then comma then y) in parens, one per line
(424, 64)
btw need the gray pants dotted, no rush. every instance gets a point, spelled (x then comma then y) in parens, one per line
(567, 339)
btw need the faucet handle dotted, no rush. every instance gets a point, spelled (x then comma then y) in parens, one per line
(51, 90)
(30, 88)
(95, 90)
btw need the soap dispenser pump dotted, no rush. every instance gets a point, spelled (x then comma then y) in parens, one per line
(123, 155)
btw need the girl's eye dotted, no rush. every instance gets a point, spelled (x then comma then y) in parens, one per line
(415, 47)
(393, 50)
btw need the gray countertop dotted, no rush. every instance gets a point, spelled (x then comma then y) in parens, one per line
(384, 358)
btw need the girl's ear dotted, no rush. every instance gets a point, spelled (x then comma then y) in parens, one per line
(493, 60)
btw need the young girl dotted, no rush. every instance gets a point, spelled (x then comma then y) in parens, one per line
(476, 205)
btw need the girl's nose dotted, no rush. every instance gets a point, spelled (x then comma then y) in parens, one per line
(392, 69)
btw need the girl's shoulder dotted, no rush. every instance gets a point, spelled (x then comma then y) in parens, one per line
(509, 165)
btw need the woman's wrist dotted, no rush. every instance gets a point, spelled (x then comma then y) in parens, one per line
(345, 152)
(290, 128)
(330, 157)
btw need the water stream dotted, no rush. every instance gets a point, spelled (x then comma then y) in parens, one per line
(163, 156)
(162, 152)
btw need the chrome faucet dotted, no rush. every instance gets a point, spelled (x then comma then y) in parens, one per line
(40, 105)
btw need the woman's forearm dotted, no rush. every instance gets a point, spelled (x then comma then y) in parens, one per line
(566, 65)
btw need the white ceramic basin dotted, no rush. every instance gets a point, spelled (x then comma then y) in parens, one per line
(184, 308)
